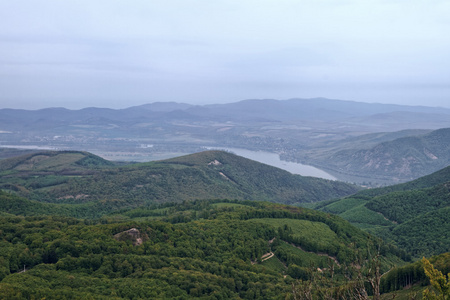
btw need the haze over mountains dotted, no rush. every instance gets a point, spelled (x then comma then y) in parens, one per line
(132, 225)
(76, 220)
(293, 110)
(347, 139)
(105, 195)
(396, 157)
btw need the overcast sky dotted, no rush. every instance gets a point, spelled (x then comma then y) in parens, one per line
(121, 53)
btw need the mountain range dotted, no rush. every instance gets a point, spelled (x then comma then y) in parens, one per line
(74, 225)
(385, 116)
(80, 184)
(389, 157)
(317, 131)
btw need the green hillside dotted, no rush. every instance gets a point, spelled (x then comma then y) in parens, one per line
(80, 178)
(398, 160)
(55, 162)
(415, 215)
(210, 249)
(11, 204)
(85, 228)
(12, 152)
(407, 280)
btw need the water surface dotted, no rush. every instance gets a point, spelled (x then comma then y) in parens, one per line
(273, 159)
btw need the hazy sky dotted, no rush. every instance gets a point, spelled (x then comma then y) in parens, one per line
(111, 53)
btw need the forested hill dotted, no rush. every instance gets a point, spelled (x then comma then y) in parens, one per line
(440, 177)
(202, 249)
(129, 242)
(399, 160)
(264, 182)
(84, 180)
(415, 215)
(53, 162)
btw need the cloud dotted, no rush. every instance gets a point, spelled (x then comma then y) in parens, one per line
(202, 50)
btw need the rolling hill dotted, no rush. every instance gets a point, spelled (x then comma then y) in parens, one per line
(202, 249)
(311, 131)
(83, 180)
(415, 215)
(142, 231)
(397, 160)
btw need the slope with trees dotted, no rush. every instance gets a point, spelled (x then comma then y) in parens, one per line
(80, 178)
(415, 214)
(392, 161)
(212, 249)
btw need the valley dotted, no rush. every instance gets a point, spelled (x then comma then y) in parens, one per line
(159, 210)
(215, 150)
(84, 180)
(349, 140)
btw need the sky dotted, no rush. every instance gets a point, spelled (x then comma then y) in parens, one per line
(122, 53)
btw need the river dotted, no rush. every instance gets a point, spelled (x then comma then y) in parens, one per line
(273, 159)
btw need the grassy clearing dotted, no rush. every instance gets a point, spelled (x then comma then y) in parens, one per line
(343, 205)
(274, 264)
(51, 188)
(220, 205)
(303, 229)
(59, 160)
(302, 258)
(362, 215)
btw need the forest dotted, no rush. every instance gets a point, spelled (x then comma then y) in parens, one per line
(62, 237)
(414, 215)
(81, 178)
(212, 249)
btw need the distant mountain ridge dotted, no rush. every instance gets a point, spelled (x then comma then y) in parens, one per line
(273, 110)
(317, 107)
(402, 159)
(316, 132)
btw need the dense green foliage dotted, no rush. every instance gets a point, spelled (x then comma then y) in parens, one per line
(65, 218)
(15, 205)
(53, 161)
(428, 233)
(403, 206)
(399, 277)
(413, 215)
(79, 178)
(440, 283)
(203, 248)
